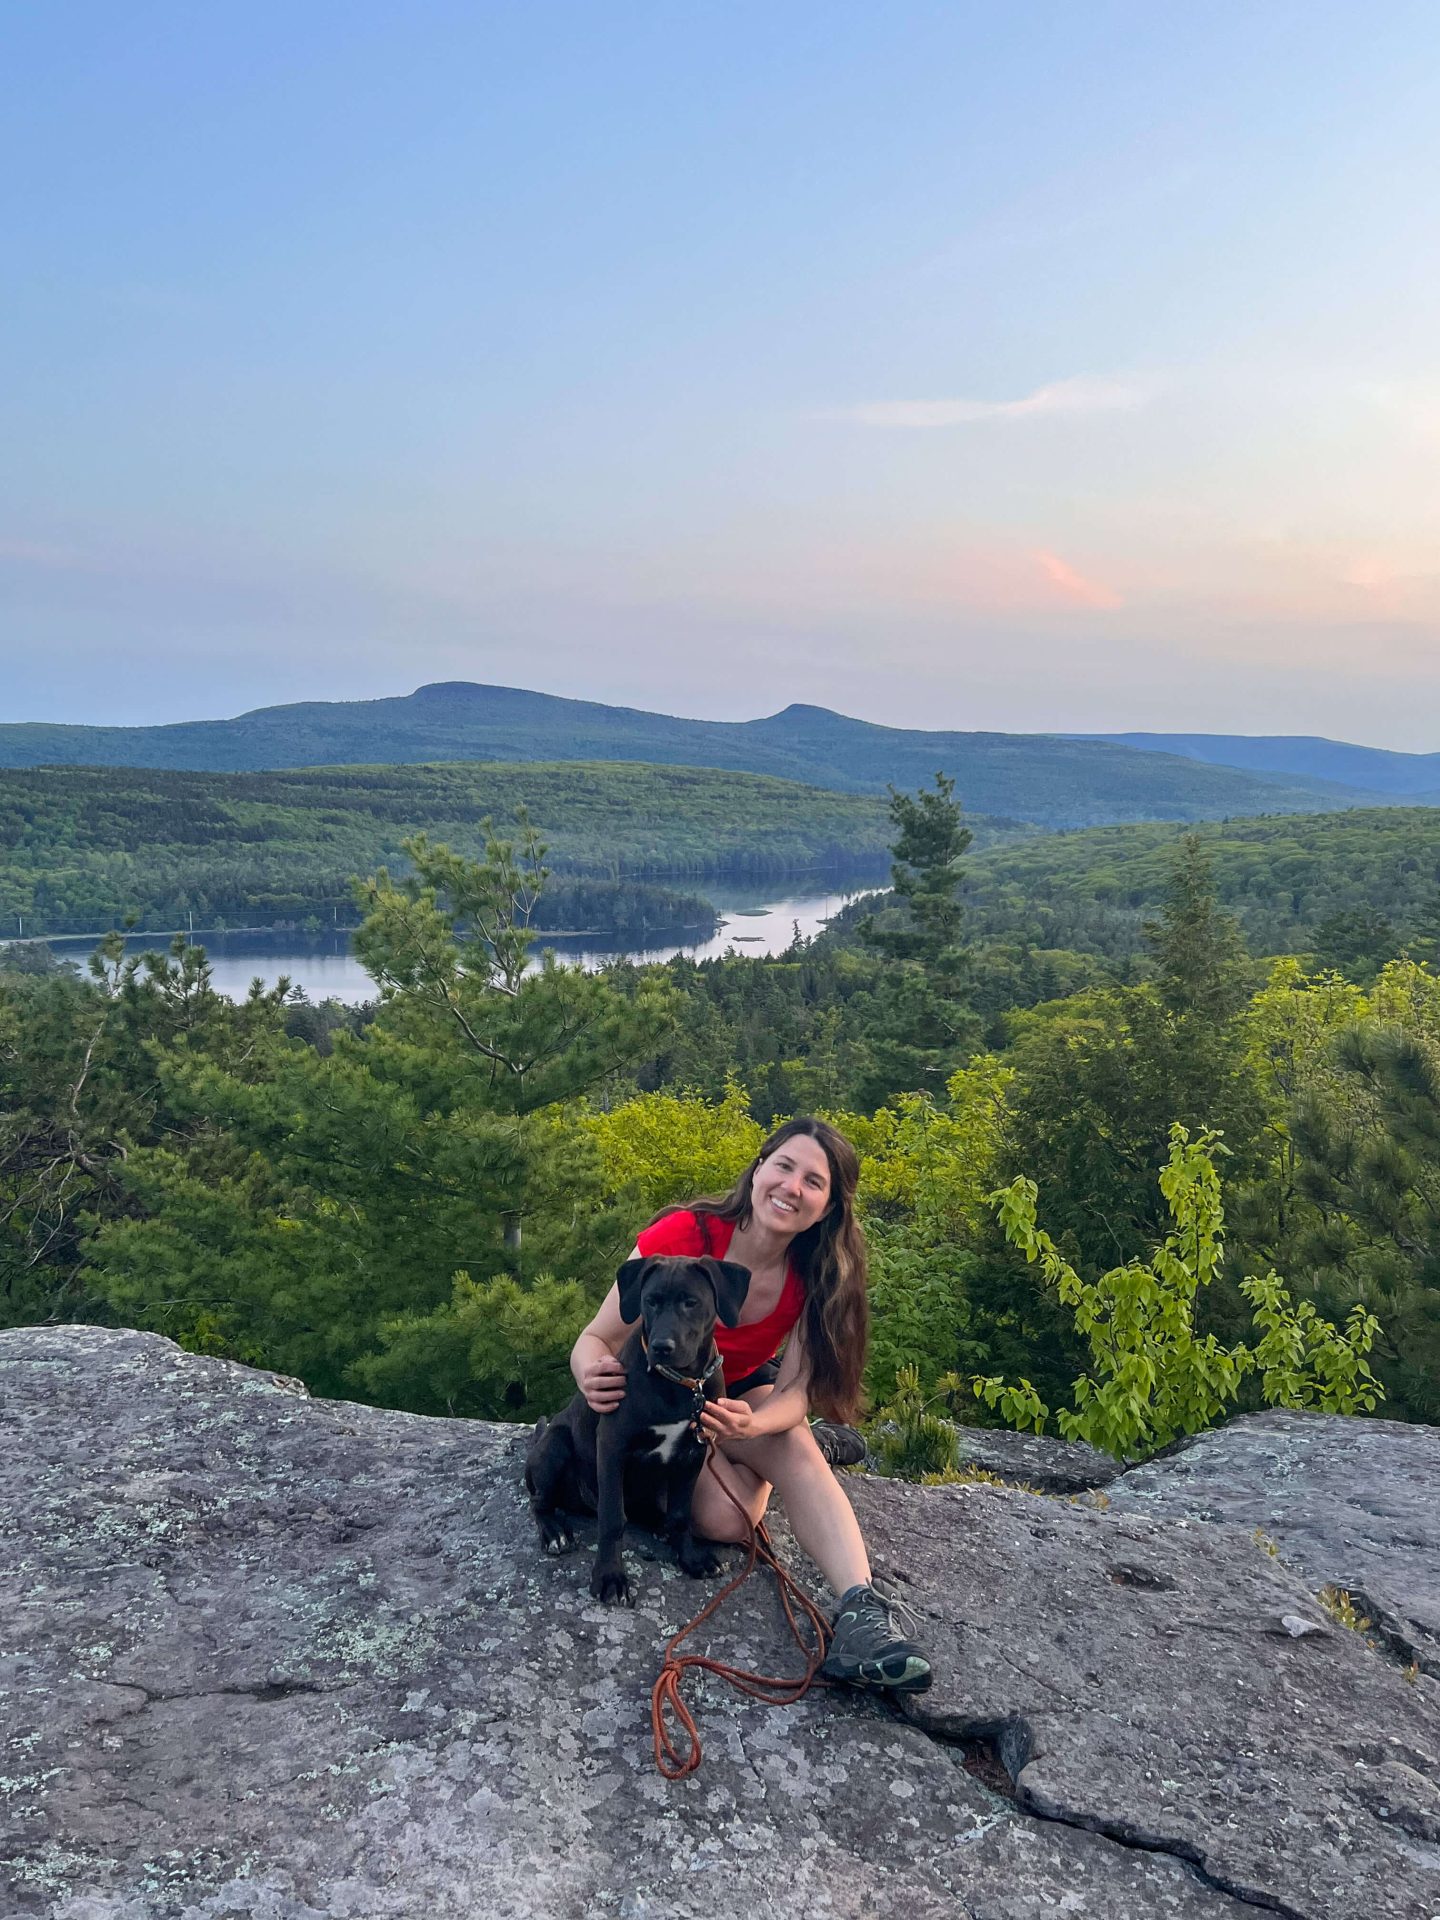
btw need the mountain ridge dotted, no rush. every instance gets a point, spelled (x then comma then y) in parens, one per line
(1050, 780)
(1378, 770)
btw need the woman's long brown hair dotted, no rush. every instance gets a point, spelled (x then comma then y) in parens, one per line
(831, 1261)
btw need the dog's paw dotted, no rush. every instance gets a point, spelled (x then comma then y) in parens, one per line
(700, 1562)
(555, 1535)
(611, 1587)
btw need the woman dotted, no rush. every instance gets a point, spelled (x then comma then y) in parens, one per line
(790, 1219)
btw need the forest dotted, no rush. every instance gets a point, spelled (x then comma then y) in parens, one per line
(1108, 1197)
(1352, 889)
(83, 849)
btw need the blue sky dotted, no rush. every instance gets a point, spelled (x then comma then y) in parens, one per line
(1008, 366)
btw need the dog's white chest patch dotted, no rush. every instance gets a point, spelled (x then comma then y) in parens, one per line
(665, 1439)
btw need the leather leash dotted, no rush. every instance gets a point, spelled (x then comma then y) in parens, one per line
(676, 1761)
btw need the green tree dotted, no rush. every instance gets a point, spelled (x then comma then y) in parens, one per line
(925, 1168)
(1098, 1080)
(80, 1093)
(921, 1025)
(1100, 1077)
(1357, 943)
(1202, 971)
(1368, 1183)
(1343, 1201)
(661, 1150)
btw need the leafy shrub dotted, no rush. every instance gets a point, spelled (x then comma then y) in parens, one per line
(1155, 1378)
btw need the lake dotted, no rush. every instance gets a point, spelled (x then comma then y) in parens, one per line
(327, 970)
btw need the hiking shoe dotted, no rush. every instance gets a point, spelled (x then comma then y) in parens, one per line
(841, 1446)
(867, 1651)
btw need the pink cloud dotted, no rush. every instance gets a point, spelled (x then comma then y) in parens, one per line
(1074, 586)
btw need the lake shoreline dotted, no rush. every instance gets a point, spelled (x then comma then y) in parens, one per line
(326, 933)
(747, 922)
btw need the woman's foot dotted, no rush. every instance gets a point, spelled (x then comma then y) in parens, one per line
(867, 1651)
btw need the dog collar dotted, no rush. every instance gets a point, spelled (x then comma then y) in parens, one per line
(695, 1384)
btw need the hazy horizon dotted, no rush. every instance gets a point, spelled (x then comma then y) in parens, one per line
(964, 367)
(769, 713)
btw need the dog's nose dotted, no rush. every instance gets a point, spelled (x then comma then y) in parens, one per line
(662, 1349)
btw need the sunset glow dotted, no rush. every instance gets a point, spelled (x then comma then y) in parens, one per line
(450, 347)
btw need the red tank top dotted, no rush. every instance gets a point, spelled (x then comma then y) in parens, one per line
(753, 1342)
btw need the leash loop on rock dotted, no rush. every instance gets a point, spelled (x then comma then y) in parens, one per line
(676, 1760)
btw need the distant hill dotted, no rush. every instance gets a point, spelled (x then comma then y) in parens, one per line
(1283, 757)
(1049, 780)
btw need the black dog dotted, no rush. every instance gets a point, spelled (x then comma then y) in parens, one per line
(644, 1458)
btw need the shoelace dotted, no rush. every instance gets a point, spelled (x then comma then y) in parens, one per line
(900, 1609)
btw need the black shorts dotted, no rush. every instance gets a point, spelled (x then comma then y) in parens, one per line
(765, 1375)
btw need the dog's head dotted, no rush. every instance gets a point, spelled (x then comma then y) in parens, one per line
(678, 1300)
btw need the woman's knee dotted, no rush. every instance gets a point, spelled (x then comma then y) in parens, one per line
(794, 1452)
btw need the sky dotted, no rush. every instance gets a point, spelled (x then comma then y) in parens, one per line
(1027, 366)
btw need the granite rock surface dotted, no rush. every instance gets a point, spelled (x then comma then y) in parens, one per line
(1036, 1460)
(1353, 1504)
(299, 1660)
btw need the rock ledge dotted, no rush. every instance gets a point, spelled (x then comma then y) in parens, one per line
(301, 1660)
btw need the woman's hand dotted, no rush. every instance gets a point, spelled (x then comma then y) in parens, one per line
(602, 1381)
(728, 1420)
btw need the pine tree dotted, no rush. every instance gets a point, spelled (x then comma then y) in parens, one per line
(1201, 966)
(924, 1026)
(1368, 1171)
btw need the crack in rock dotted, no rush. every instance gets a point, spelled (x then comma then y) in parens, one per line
(261, 1691)
(997, 1753)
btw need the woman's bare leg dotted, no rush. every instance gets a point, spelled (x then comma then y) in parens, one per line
(820, 1516)
(866, 1649)
(713, 1514)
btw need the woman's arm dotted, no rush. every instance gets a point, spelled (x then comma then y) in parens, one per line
(598, 1374)
(786, 1406)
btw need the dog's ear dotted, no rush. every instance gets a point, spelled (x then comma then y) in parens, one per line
(630, 1280)
(731, 1283)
